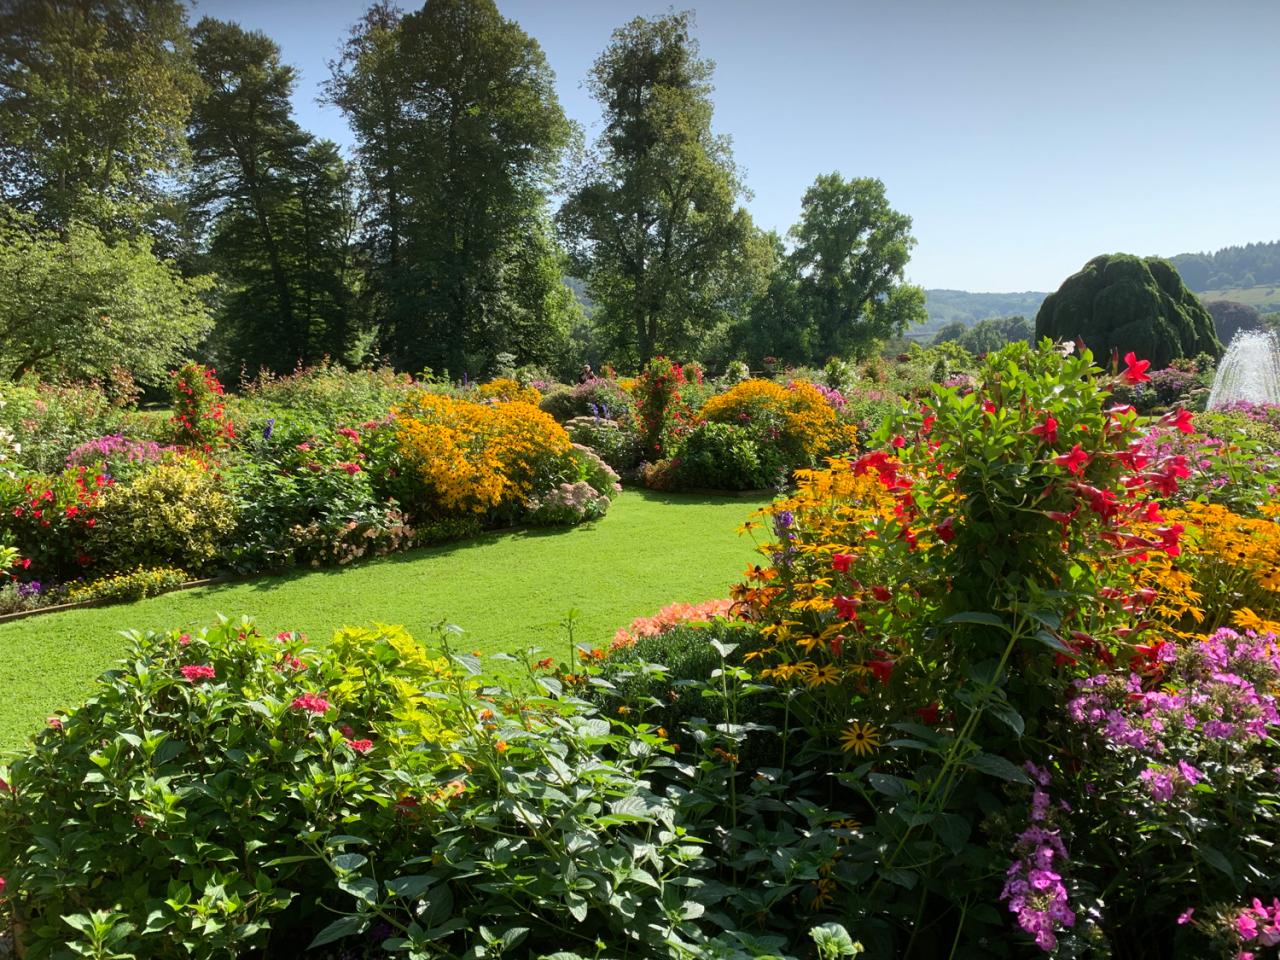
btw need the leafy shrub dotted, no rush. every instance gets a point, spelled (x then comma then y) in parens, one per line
(226, 793)
(303, 498)
(660, 410)
(51, 520)
(726, 456)
(318, 397)
(616, 442)
(134, 585)
(48, 421)
(199, 413)
(597, 397)
(173, 513)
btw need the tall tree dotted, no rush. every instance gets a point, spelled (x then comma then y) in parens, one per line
(851, 251)
(280, 203)
(653, 223)
(459, 133)
(94, 95)
(74, 305)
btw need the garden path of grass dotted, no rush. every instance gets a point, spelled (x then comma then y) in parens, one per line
(507, 590)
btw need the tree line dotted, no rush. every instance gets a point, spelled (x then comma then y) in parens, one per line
(158, 196)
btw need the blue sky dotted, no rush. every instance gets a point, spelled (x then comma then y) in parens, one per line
(1022, 136)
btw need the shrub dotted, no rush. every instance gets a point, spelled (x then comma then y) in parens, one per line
(134, 585)
(48, 421)
(597, 397)
(797, 419)
(726, 456)
(173, 513)
(616, 443)
(51, 520)
(480, 458)
(322, 395)
(199, 413)
(660, 413)
(303, 498)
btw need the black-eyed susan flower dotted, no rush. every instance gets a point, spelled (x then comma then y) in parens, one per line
(860, 738)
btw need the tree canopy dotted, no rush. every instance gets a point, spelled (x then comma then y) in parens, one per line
(73, 305)
(652, 220)
(1120, 302)
(93, 99)
(459, 135)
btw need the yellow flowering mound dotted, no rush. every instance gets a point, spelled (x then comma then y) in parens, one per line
(806, 423)
(475, 457)
(504, 388)
(1229, 562)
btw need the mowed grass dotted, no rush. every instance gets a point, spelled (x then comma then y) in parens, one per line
(506, 590)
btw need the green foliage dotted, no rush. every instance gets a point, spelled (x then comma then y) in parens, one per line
(1240, 266)
(173, 513)
(1120, 302)
(673, 285)
(316, 398)
(597, 397)
(1230, 317)
(127, 587)
(726, 456)
(74, 305)
(458, 132)
(93, 99)
(616, 443)
(49, 420)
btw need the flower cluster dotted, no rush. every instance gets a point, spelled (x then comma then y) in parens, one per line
(668, 617)
(477, 457)
(800, 417)
(199, 412)
(116, 449)
(506, 389)
(1033, 883)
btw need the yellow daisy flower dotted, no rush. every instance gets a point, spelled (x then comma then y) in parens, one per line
(862, 739)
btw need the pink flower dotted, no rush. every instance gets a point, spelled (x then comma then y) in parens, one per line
(311, 703)
(185, 639)
(1185, 916)
(1246, 926)
(195, 671)
(55, 723)
(360, 746)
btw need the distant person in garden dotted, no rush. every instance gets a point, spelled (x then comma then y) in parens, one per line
(587, 374)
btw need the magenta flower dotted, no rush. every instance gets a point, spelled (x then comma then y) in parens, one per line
(311, 703)
(195, 671)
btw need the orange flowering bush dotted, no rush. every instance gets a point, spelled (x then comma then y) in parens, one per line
(475, 457)
(504, 388)
(668, 617)
(797, 418)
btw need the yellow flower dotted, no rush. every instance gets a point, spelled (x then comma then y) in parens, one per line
(824, 675)
(862, 739)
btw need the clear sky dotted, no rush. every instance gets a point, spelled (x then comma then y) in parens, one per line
(1022, 136)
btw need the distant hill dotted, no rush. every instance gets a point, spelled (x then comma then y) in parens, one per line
(946, 306)
(1231, 268)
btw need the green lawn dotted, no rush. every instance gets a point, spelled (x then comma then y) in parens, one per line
(507, 590)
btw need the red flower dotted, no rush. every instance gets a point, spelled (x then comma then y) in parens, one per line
(1074, 461)
(846, 607)
(311, 703)
(1135, 371)
(928, 714)
(899, 441)
(881, 669)
(883, 594)
(837, 645)
(946, 530)
(988, 408)
(1169, 539)
(841, 561)
(1047, 431)
(348, 433)
(1180, 419)
(194, 671)
(360, 746)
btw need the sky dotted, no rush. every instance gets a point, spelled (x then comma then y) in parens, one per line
(1023, 137)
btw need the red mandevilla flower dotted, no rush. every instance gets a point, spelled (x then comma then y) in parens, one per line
(841, 561)
(1075, 461)
(1047, 431)
(1135, 371)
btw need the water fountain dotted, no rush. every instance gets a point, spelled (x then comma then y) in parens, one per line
(1250, 370)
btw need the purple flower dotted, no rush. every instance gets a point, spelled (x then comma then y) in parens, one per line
(268, 429)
